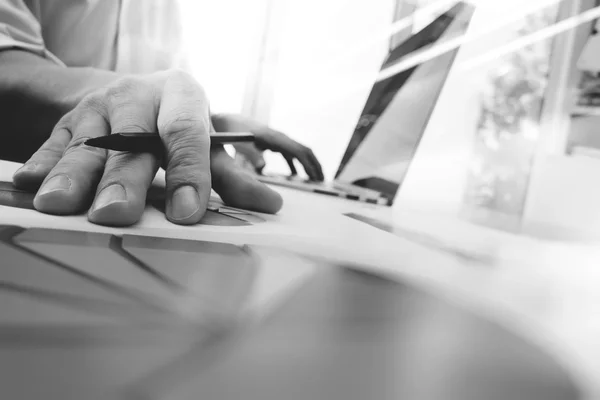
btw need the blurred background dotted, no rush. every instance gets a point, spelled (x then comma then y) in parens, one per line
(306, 68)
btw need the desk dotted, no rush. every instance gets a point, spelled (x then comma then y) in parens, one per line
(349, 335)
(523, 321)
(546, 291)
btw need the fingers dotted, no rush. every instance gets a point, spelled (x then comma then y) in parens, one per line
(184, 126)
(290, 162)
(74, 176)
(69, 185)
(290, 149)
(240, 189)
(121, 194)
(270, 139)
(310, 163)
(31, 175)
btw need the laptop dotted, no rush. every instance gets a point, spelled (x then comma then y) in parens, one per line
(394, 118)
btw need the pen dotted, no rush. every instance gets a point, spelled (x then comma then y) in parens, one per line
(150, 142)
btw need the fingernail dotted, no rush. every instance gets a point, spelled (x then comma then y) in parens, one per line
(108, 196)
(57, 183)
(29, 167)
(184, 203)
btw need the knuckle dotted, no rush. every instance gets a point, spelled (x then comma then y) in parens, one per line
(126, 83)
(44, 155)
(56, 144)
(119, 164)
(298, 151)
(181, 179)
(180, 121)
(115, 177)
(130, 123)
(188, 168)
(188, 143)
(61, 135)
(185, 83)
(123, 90)
(196, 179)
(191, 141)
(184, 125)
(92, 102)
(51, 147)
(134, 171)
(178, 74)
(185, 158)
(79, 163)
(116, 94)
(78, 143)
(65, 122)
(187, 163)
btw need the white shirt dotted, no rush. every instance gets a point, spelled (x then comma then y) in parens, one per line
(130, 36)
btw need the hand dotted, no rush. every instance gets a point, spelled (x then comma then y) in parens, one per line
(269, 139)
(73, 176)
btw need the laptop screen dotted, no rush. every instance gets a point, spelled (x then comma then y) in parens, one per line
(397, 110)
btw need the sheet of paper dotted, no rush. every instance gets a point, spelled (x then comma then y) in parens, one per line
(221, 223)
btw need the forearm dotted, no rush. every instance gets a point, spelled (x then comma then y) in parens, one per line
(34, 94)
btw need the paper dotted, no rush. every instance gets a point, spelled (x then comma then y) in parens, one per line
(220, 224)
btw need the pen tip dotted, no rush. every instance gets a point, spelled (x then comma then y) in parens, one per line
(91, 142)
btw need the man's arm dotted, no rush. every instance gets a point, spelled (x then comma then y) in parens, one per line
(56, 108)
(34, 94)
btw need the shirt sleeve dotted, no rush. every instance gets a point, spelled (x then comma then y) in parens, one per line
(19, 29)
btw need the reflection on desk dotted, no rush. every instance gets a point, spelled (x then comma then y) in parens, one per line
(84, 315)
(350, 335)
